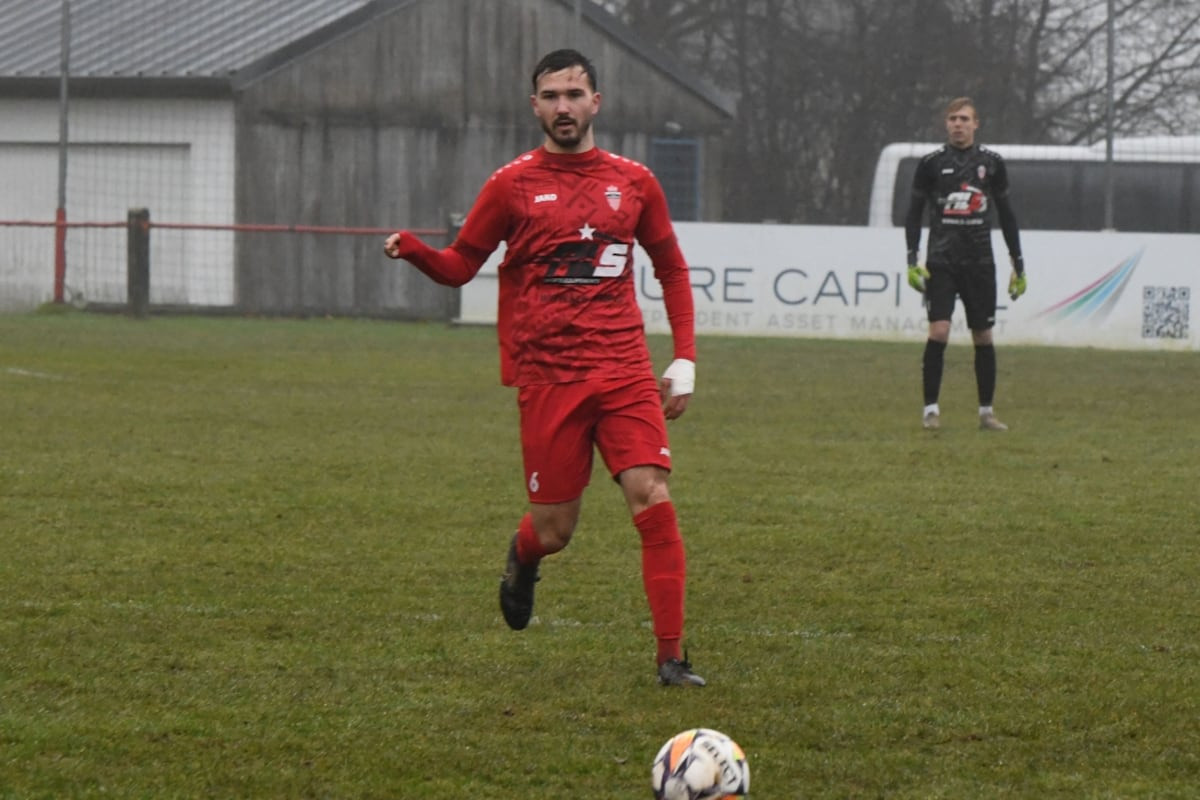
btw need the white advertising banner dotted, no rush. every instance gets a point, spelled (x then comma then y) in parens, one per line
(1110, 290)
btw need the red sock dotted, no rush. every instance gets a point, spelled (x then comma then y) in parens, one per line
(664, 568)
(529, 546)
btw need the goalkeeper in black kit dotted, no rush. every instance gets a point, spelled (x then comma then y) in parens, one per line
(961, 182)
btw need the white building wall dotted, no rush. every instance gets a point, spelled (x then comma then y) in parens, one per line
(174, 157)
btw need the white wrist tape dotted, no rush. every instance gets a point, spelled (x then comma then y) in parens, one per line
(682, 374)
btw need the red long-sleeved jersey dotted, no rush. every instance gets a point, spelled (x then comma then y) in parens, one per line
(567, 303)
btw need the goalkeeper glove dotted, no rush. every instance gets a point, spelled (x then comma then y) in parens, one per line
(917, 275)
(1016, 285)
(1016, 282)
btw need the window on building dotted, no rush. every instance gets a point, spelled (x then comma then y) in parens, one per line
(676, 164)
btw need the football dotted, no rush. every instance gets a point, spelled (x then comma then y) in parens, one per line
(700, 764)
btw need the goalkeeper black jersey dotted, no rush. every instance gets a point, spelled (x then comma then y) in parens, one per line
(960, 187)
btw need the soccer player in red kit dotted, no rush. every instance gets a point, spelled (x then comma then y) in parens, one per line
(572, 339)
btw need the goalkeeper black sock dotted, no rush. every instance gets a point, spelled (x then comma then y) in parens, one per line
(931, 369)
(985, 372)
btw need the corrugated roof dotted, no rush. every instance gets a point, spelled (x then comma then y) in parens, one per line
(212, 41)
(157, 38)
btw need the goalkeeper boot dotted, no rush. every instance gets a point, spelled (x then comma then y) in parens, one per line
(516, 589)
(988, 422)
(674, 672)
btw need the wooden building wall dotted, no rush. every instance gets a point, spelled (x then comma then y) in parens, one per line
(398, 124)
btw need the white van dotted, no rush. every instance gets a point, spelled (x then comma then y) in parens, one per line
(1156, 184)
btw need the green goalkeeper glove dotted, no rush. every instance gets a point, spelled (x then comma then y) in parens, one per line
(1016, 285)
(917, 274)
(1016, 282)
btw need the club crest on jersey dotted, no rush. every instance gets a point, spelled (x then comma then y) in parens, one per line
(981, 171)
(613, 195)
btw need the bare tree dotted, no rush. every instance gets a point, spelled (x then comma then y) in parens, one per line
(823, 85)
(1157, 60)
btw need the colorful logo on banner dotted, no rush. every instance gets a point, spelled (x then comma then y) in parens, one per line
(1094, 302)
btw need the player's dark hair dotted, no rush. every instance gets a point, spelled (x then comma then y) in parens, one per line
(563, 59)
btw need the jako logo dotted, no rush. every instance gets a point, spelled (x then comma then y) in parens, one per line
(545, 198)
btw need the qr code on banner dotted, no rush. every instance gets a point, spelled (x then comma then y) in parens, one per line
(1165, 311)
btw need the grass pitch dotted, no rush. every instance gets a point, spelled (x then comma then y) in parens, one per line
(259, 558)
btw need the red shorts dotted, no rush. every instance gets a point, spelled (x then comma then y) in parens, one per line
(561, 423)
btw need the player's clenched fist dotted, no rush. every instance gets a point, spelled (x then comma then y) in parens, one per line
(391, 247)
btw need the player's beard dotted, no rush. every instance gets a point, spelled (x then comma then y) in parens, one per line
(567, 140)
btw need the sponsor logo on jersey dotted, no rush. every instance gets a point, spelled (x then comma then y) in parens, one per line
(547, 197)
(967, 201)
(613, 195)
(588, 261)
